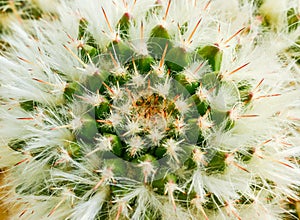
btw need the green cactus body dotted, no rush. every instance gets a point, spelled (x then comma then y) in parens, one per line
(167, 132)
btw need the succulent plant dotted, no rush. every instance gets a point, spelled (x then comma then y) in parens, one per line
(150, 109)
(19, 10)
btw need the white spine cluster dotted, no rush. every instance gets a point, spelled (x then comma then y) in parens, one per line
(129, 109)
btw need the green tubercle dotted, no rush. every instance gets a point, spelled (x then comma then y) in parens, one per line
(177, 59)
(213, 55)
(159, 38)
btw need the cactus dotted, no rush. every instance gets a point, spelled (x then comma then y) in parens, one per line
(19, 10)
(12, 11)
(152, 110)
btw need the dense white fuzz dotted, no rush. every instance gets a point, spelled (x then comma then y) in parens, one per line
(11, 157)
(132, 128)
(105, 16)
(103, 144)
(231, 185)
(150, 109)
(18, 119)
(195, 71)
(182, 105)
(30, 82)
(136, 144)
(163, 88)
(225, 98)
(205, 123)
(148, 170)
(173, 149)
(197, 184)
(155, 135)
(138, 80)
(94, 99)
(275, 13)
(46, 6)
(146, 200)
(89, 209)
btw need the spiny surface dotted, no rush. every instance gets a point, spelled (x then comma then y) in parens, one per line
(152, 110)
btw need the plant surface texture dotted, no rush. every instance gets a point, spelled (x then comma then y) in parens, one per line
(150, 109)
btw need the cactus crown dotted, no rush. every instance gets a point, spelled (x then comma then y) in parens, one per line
(149, 115)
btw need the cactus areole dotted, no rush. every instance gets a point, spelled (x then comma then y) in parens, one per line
(151, 110)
